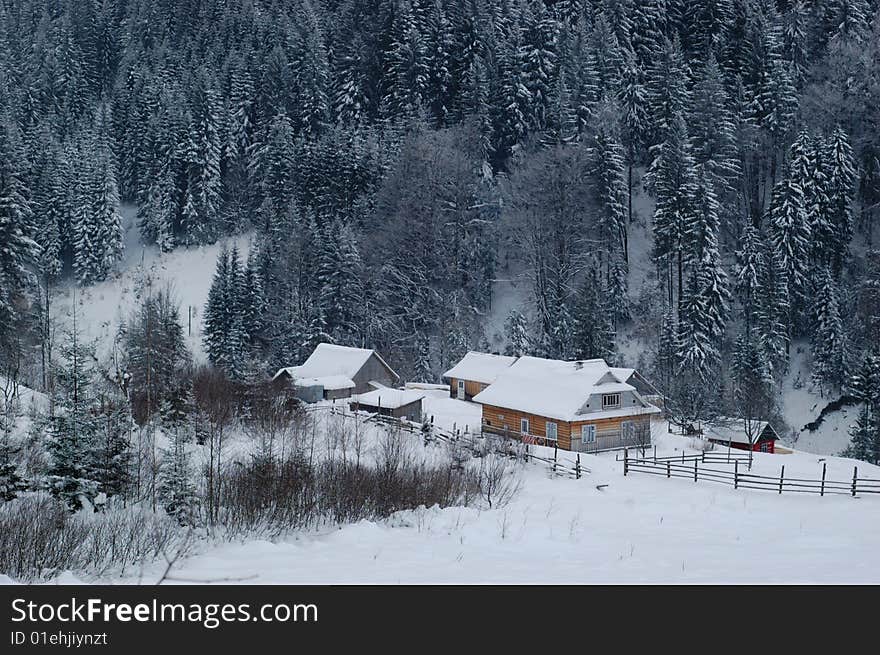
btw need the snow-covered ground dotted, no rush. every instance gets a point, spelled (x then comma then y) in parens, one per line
(603, 528)
(102, 307)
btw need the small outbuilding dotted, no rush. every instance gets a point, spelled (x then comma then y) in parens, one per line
(399, 403)
(333, 372)
(735, 433)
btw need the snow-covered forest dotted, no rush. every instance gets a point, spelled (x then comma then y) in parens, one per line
(687, 186)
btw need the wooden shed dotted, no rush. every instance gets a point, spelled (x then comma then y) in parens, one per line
(333, 371)
(399, 403)
(735, 433)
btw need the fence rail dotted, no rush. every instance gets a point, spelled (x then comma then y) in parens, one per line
(475, 442)
(689, 468)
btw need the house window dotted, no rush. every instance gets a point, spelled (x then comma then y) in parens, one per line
(628, 430)
(610, 400)
(524, 425)
(765, 447)
(551, 431)
(588, 434)
(501, 417)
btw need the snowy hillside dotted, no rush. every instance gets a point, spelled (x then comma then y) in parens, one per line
(603, 528)
(101, 308)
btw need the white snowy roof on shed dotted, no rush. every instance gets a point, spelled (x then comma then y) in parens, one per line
(734, 431)
(330, 360)
(330, 382)
(556, 389)
(388, 398)
(480, 367)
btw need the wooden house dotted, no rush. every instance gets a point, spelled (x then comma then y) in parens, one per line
(332, 372)
(734, 433)
(574, 405)
(475, 372)
(399, 403)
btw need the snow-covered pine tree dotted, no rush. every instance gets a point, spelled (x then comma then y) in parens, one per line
(202, 152)
(752, 377)
(704, 260)
(73, 429)
(712, 128)
(671, 179)
(271, 172)
(440, 51)
(311, 72)
(840, 190)
(667, 90)
(516, 330)
(865, 434)
(97, 229)
(424, 366)
(537, 61)
(773, 311)
(632, 101)
(790, 235)
(17, 247)
(828, 338)
(177, 492)
(111, 451)
(217, 317)
(407, 66)
(750, 264)
(608, 178)
(593, 331)
(604, 61)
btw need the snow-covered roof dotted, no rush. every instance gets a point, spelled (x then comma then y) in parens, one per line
(480, 367)
(557, 389)
(332, 360)
(329, 382)
(734, 431)
(388, 398)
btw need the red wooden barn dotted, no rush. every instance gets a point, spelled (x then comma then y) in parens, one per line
(736, 434)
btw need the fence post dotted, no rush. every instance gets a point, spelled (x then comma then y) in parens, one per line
(696, 464)
(655, 453)
(625, 461)
(704, 457)
(781, 477)
(855, 477)
(736, 474)
(577, 468)
(822, 488)
(668, 469)
(682, 455)
(750, 460)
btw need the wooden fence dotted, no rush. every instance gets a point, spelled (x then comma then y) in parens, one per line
(706, 457)
(689, 468)
(475, 443)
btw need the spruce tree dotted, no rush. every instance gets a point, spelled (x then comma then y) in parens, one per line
(593, 332)
(828, 341)
(516, 332)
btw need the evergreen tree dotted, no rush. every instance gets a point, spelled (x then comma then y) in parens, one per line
(592, 328)
(516, 332)
(671, 178)
(828, 338)
(73, 429)
(841, 186)
(177, 492)
(790, 236)
(17, 248)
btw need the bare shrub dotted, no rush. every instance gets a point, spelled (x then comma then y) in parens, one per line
(39, 538)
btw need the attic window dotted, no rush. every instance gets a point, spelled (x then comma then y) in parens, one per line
(610, 400)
